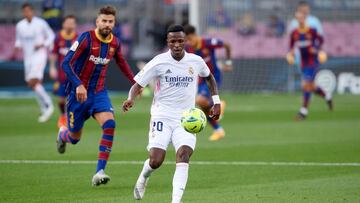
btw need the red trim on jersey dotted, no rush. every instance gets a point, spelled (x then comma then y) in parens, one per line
(89, 67)
(76, 55)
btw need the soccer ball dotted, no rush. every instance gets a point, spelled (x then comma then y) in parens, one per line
(193, 120)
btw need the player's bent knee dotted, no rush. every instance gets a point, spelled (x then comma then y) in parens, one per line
(183, 154)
(155, 163)
(109, 124)
(75, 137)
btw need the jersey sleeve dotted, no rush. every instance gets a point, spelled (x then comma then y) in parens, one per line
(319, 39)
(50, 36)
(55, 48)
(74, 53)
(123, 65)
(214, 43)
(204, 70)
(17, 40)
(147, 73)
(292, 40)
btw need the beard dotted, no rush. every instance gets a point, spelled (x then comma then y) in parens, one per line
(104, 32)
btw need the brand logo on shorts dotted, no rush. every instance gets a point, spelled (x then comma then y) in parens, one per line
(99, 60)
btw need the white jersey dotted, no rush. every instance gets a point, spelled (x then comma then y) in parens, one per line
(175, 83)
(30, 34)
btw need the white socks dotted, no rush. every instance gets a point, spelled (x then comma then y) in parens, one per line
(304, 111)
(43, 98)
(147, 170)
(179, 181)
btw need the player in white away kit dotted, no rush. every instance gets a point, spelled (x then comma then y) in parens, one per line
(35, 37)
(176, 74)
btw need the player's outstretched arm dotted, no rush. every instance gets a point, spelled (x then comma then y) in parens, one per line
(135, 90)
(123, 65)
(228, 63)
(215, 110)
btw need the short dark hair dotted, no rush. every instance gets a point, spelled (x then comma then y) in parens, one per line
(69, 17)
(303, 3)
(189, 29)
(175, 28)
(27, 5)
(107, 10)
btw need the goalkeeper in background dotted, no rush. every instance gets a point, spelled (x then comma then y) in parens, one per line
(205, 47)
(308, 42)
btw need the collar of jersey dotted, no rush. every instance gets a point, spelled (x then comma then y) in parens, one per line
(67, 36)
(103, 40)
(303, 30)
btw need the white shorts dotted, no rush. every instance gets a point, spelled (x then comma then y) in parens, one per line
(35, 65)
(164, 131)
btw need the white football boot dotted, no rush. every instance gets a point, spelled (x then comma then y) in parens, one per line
(140, 187)
(46, 115)
(100, 178)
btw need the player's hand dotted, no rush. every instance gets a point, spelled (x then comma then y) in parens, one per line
(322, 56)
(227, 68)
(127, 104)
(53, 73)
(290, 58)
(81, 94)
(215, 112)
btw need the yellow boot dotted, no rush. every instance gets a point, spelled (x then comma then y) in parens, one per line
(217, 135)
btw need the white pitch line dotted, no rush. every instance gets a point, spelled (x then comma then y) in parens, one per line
(224, 163)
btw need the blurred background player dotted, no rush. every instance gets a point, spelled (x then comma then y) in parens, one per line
(309, 43)
(205, 47)
(176, 73)
(35, 37)
(85, 66)
(63, 41)
(310, 20)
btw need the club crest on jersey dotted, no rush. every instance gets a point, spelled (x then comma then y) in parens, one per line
(99, 60)
(111, 50)
(191, 71)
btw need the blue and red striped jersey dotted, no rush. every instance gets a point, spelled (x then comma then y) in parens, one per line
(88, 59)
(62, 45)
(308, 41)
(207, 51)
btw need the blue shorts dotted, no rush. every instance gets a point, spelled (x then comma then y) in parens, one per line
(204, 90)
(309, 73)
(59, 89)
(78, 113)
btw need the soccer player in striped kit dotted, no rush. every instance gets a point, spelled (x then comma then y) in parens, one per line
(309, 43)
(85, 66)
(63, 41)
(205, 48)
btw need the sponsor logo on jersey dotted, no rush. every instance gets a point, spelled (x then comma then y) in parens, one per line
(304, 43)
(99, 60)
(168, 71)
(179, 81)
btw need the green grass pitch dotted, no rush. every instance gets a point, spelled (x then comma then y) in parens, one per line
(260, 128)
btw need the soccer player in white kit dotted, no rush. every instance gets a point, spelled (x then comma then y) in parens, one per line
(176, 75)
(35, 37)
